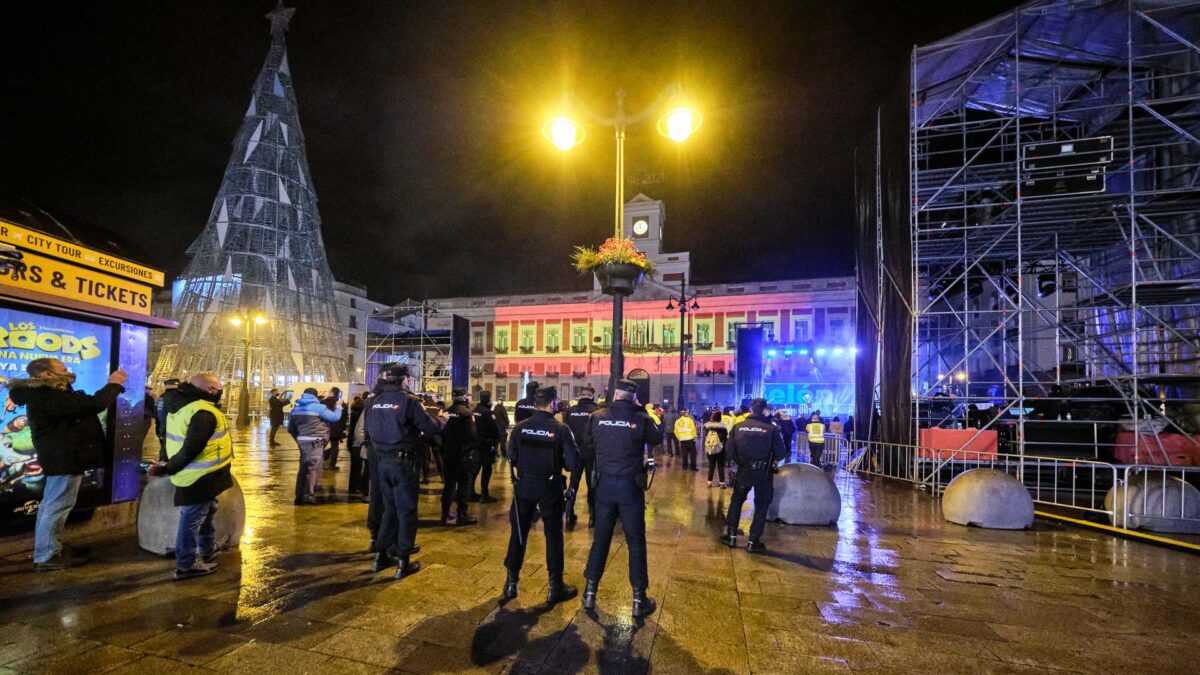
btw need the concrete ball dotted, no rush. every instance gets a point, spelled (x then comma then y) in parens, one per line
(1155, 502)
(987, 498)
(805, 495)
(158, 517)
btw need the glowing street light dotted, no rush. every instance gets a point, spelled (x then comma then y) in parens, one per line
(249, 321)
(564, 133)
(679, 124)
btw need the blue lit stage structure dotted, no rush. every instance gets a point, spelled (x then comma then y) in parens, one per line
(1039, 273)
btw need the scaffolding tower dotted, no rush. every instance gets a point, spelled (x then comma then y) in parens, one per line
(402, 334)
(261, 252)
(1055, 227)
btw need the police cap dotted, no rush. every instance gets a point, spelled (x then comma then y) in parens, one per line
(173, 382)
(758, 405)
(545, 395)
(458, 392)
(627, 385)
(394, 372)
(532, 387)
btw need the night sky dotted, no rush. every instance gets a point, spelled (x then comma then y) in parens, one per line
(423, 123)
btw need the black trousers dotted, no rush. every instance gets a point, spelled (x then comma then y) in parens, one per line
(717, 462)
(331, 453)
(584, 470)
(672, 443)
(481, 468)
(275, 429)
(454, 483)
(525, 503)
(764, 492)
(619, 497)
(357, 474)
(398, 488)
(375, 504)
(815, 451)
(688, 450)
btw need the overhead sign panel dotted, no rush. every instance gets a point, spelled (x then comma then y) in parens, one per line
(30, 240)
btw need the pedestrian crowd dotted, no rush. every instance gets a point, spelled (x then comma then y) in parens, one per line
(395, 438)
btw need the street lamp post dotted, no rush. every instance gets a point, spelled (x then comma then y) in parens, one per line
(677, 124)
(249, 322)
(684, 309)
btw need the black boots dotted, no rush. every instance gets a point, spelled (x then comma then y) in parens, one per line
(464, 519)
(755, 545)
(382, 562)
(510, 587)
(591, 519)
(643, 605)
(589, 595)
(572, 519)
(559, 591)
(405, 568)
(730, 537)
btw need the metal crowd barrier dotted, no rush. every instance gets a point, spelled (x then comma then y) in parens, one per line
(1074, 484)
(833, 453)
(1159, 493)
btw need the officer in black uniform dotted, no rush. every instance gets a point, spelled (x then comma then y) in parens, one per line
(487, 435)
(539, 448)
(755, 444)
(458, 442)
(577, 417)
(617, 435)
(525, 406)
(394, 423)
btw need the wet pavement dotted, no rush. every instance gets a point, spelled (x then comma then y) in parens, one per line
(891, 588)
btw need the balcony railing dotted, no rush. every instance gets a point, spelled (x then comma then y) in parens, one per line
(551, 373)
(526, 350)
(476, 351)
(502, 350)
(552, 349)
(579, 349)
(704, 345)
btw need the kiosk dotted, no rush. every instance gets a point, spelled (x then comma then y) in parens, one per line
(70, 291)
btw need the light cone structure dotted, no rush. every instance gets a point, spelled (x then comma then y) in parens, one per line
(261, 251)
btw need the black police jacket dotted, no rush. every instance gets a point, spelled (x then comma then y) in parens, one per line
(577, 417)
(618, 435)
(395, 420)
(486, 430)
(755, 443)
(459, 435)
(525, 409)
(540, 448)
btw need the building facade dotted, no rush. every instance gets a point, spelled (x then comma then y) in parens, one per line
(566, 338)
(354, 310)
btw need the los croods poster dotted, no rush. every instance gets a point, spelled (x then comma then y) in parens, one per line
(86, 349)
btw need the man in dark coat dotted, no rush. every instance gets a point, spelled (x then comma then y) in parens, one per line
(337, 430)
(276, 405)
(487, 435)
(458, 440)
(66, 432)
(167, 403)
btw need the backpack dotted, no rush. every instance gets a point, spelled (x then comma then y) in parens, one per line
(712, 443)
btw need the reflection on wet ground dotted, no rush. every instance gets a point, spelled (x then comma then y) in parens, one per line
(892, 587)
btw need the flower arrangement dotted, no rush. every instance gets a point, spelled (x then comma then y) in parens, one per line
(612, 251)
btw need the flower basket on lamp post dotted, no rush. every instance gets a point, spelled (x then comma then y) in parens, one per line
(619, 267)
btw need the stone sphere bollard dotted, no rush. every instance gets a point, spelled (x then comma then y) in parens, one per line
(987, 498)
(804, 495)
(1155, 502)
(158, 517)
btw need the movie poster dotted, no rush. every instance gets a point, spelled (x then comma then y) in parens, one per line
(86, 349)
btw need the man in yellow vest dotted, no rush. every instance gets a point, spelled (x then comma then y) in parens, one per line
(816, 438)
(199, 454)
(685, 431)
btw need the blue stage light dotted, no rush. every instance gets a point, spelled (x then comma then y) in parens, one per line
(770, 352)
(837, 351)
(820, 351)
(787, 352)
(803, 351)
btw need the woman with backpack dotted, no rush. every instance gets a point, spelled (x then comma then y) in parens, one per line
(715, 435)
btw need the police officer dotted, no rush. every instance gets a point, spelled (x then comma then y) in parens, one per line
(617, 436)
(395, 421)
(525, 406)
(755, 444)
(577, 417)
(458, 441)
(539, 448)
(487, 435)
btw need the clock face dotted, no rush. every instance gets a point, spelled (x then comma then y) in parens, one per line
(641, 227)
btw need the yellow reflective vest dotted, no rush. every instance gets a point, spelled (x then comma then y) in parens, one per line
(685, 428)
(217, 453)
(816, 432)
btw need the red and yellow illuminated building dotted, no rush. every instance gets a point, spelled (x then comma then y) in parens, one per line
(566, 339)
